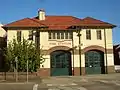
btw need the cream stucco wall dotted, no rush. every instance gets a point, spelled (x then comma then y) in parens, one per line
(94, 41)
(25, 34)
(11, 34)
(47, 44)
(110, 60)
(46, 64)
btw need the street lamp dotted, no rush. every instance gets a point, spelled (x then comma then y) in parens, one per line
(79, 35)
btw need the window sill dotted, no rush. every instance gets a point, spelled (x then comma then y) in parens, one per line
(99, 39)
(88, 39)
(57, 40)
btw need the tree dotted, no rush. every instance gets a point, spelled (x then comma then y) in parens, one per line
(24, 50)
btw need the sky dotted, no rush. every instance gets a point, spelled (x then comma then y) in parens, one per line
(105, 10)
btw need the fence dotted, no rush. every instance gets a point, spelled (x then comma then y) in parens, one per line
(18, 77)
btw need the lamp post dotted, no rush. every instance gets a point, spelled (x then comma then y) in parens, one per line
(79, 36)
(106, 71)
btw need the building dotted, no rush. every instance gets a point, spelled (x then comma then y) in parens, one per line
(71, 46)
(116, 49)
(2, 31)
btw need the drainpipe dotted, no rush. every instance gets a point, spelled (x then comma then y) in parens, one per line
(105, 50)
(79, 35)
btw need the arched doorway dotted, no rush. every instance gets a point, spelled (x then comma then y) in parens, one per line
(94, 62)
(60, 63)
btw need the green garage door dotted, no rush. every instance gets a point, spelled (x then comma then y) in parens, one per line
(94, 62)
(61, 63)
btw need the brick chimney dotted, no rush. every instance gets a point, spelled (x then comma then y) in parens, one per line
(41, 14)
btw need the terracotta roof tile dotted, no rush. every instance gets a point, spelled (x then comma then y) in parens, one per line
(26, 22)
(89, 21)
(58, 22)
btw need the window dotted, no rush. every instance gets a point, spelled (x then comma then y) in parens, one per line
(31, 35)
(60, 35)
(119, 54)
(70, 35)
(66, 35)
(54, 35)
(18, 35)
(37, 38)
(88, 34)
(50, 35)
(99, 34)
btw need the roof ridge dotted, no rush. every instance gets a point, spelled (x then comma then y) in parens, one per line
(60, 15)
(96, 19)
(36, 21)
(15, 21)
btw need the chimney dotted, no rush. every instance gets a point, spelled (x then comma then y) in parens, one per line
(41, 14)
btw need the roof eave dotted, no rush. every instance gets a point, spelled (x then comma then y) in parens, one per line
(8, 27)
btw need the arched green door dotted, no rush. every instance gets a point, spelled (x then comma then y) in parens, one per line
(61, 63)
(94, 62)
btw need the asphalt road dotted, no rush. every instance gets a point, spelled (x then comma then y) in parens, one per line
(91, 82)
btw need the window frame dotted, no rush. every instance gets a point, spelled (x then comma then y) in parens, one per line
(49, 35)
(99, 34)
(88, 34)
(19, 33)
(60, 35)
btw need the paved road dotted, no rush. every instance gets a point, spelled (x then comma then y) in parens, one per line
(91, 82)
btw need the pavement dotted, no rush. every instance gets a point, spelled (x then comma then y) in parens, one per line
(88, 82)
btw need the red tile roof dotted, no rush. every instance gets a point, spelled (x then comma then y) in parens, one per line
(88, 21)
(26, 22)
(58, 22)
